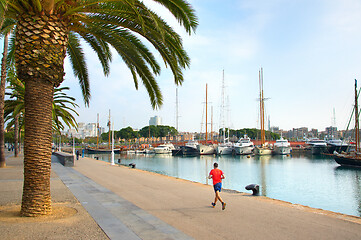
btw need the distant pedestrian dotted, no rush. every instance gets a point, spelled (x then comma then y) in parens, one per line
(217, 175)
(82, 153)
(77, 154)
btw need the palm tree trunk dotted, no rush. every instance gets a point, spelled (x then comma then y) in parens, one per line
(2, 103)
(16, 135)
(40, 51)
(37, 152)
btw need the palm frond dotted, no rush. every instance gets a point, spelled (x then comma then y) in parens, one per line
(77, 60)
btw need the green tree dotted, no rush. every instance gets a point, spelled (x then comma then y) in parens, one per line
(127, 133)
(149, 131)
(46, 30)
(157, 131)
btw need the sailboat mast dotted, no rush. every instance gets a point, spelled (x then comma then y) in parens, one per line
(109, 130)
(222, 110)
(261, 102)
(176, 106)
(356, 119)
(263, 122)
(206, 112)
(211, 123)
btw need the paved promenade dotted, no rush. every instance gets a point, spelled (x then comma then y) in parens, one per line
(124, 203)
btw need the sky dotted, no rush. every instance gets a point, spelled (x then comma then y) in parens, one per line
(310, 52)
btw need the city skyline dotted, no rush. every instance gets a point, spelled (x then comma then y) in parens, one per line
(309, 52)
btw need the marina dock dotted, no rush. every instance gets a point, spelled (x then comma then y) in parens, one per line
(181, 207)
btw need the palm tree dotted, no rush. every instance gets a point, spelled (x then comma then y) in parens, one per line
(3, 8)
(48, 29)
(62, 110)
(6, 32)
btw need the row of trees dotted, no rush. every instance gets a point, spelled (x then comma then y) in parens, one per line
(146, 132)
(162, 131)
(253, 133)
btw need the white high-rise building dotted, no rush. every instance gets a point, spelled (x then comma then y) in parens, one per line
(155, 121)
(84, 130)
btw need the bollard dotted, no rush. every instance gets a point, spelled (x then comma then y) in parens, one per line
(254, 188)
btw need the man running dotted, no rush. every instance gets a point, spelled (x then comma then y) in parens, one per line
(217, 176)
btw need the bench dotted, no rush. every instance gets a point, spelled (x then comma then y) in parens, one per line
(66, 159)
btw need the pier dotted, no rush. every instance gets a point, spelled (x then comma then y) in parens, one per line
(182, 207)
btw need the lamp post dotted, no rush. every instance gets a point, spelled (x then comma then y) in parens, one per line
(112, 163)
(60, 143)
(73, 145)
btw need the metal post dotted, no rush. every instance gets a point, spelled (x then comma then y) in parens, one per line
(112, 163)
(73, 148)
(60, 143)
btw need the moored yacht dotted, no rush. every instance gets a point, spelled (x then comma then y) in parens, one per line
(225, 148)
(244, 146)
(190, 149)
(207, 149)
(318, 146)
(337, 145)
(263, 150)
(164, 148)
(282, 147)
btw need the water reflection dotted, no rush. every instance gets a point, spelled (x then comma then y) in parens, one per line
(308, 180)
(354, 189)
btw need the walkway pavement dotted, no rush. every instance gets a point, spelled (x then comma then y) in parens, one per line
(125, 203)
(186, 206)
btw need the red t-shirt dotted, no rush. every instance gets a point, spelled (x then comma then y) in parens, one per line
(216, 175)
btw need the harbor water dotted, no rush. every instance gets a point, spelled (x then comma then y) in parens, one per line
(314, 181)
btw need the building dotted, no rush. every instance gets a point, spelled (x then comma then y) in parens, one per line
(85, 130)
(298, 134)
(155, 121)
(331, 133)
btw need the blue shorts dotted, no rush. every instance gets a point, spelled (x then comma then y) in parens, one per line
(217, 187)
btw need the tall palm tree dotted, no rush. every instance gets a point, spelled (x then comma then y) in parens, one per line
(2, 95)
(5, 32)
(48, 29)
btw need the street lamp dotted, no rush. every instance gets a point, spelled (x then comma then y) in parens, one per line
(112, 163)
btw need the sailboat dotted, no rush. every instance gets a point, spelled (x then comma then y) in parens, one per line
(264, 149)
(225, 148)
(352, 158)
(98, 150)
(208, 148)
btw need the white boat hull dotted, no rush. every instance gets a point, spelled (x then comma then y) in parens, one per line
(224, 150)
(262, 151)
(162, 151)
(206, 149)
(281, 150)
(243, 150)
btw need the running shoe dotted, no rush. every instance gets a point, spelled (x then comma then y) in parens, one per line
(213, 205)
(223, 206)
